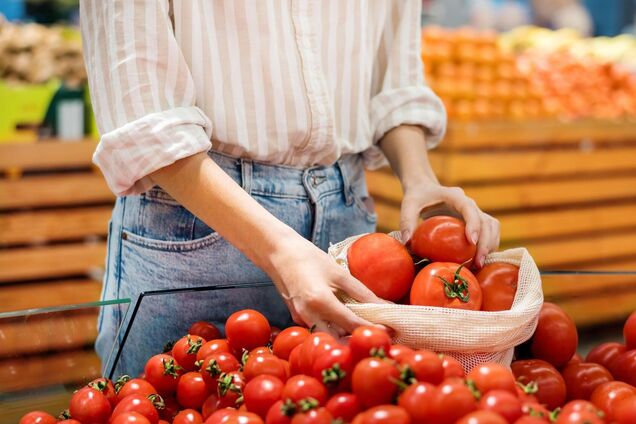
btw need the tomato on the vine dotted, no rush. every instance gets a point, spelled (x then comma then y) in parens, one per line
(344, 406)
(37, 417)
(374, 381)
(581, 379)
(492, 376)
(205, 329)
(287, 340)
(90, 406)
(125, 386)
(185, 351)
(550, 384)
(334, 368)
(247, 329)
(264, 364)
(448, 285)
(188, 416)
(443, 239)
(608, 395)
(383, 264)
(302, 387)
(261, 393)
(498, 282)
(554, 328)
(418, 400)
(368, 340)
(483, 417)
(192, 390)
(452, 401)
(163, 372)
(605, 354)
(140, 404)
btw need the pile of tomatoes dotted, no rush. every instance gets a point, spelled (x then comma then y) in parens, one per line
(259, 374)
(388, 268)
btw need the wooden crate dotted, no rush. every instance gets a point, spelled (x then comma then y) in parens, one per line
(567, 192)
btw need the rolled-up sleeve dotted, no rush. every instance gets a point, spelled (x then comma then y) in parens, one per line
(142, 92)
(402, 95)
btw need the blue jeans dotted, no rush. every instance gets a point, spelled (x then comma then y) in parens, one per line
(157, 244)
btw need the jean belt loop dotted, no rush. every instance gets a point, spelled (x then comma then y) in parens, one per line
(246, 174)
(346, 181)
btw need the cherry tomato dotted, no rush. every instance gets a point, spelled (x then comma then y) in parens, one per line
(624, 367)
(185, 351)
(205, 329)
(37, 417)
(72, 421)
(580, 405)
(140, 404)
(105, 386)
(452, 367)
(163, 422)
(452, 401)
(605, 354)
(555, 328)
(216, 364)
(385, 414)
(581, 379)
(625, 411)
(443, 239)
(300, 387)
(629, 332)
(261, 350)
(280, 413)
(535, 409)
(230, 389)
(366, 340)
(492, 376)
(221, 416)
(447, 285)
(211, 404)
(334, 368)
(264, 364)
(213, 346)
(482, 417)
(192, 390)
(261, 393)
(90, 406)
(247, 329)
(551, 386)
(527, 419)
(314, 346)
(313, 416)
(608, 395)
(244, 417)
(136, 386)
(578, 417)
(398, 352)
(503, 403)
(163, 372)
(498, 283)
(344, 406)
(287, 340)
(418, 400)
(129, 418)
(383, 264)
(425, 366)
(170, 409)
(188, 416)
(294, 360)
(373, 381)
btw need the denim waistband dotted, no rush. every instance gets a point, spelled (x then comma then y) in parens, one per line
(259, 178)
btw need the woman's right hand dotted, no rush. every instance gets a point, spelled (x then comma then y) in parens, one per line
(308, 280)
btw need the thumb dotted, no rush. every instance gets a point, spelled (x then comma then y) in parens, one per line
(358, 291)
(409, 215)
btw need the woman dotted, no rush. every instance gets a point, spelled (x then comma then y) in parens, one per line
(235, 134)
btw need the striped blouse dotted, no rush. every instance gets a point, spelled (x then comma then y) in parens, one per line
(294, 82)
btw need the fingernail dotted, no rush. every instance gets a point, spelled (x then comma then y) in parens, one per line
(406, 236)
(474, 237)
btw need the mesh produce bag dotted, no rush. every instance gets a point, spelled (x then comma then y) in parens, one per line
(471, 337)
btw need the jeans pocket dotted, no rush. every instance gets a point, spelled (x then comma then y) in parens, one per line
(170, 245)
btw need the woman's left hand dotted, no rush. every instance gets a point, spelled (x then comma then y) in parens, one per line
(433, 199)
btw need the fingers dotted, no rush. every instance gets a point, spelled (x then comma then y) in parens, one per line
(488, 239)
(343, 317)
(469, 211)
(358, 291)
(409, 215)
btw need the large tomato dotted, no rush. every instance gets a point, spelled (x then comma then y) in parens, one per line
(385, 414)
(374, 381)
(503, 403)
(192, 390)
(302, 387)
(185, 351)
(605, 354)
(443, 239)
(247, 329)
(498, 283)
(448, 285)
(425, 366)
(205, 329)
(137, 403)
(581, 379)
(344, 406)
(125, 386)
(629, 332)
(367, 340)
(287, 340)
(418, 400)
(550, 384)
(264, 364)
(188, 416)
(212, 346)
(163, 372)
(608, 395)
(555, 328)
(624, 367)
(90, 406)
(482, 417)
(492, 376)
(382, 264)
(334, 368)
(37, 417)
(261, 393)
(453, 400)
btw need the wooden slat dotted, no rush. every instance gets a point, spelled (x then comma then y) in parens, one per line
(51, 401)
(49, 154)
(15, 297)
(560, 286)
(602, 308)
(53, 225)
(50, 261)
(54, 190)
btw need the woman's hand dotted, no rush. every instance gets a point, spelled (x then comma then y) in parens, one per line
(433, 199)
(308, 279)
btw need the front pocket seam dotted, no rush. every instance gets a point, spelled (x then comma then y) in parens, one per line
(170, 246)
(371, 216)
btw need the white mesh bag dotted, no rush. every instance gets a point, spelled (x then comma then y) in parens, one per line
(471, 337)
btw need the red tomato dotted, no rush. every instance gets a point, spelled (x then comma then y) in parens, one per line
(230, 389)
(580, 405)
(163, 372)
(581, 379)
(314, 346)
(105, 386)
(482, 417)
(313, 416)
(280, 413)
(136, 386)
(72, 421)
(244, 417)
(192, 390)
(213, 346)
(90, 406)
(629, 332)
(205, 329)
(443, 239)
(418, 400)
(264, 364)
(221, 416)
(170, 407)
(625, 411)
(498, 283)
(398, 352)
(287, 340)
(129, 418)
(452, 367)
(261, 350)
(608, 395)
(344, 406)
(261, 393)
(551, 386)
(294, 360)
(425, 366)
(535, 409)
(555, 328)
(163, 422)
(334, 368)
(527, 419)
(578, 417)
(503, 403)
(247, 329)
(185, 351)
(140, 404)
(188, 416)
(216, 364)
(624, 367)
(382, 264)
(385, 414)
(300, 387)
(373, 381)
(492, 376)
(452, 401)
(211, 404)
(447, 285)
(605, 354)
(367, 340)
(275, 331)
(37, 417)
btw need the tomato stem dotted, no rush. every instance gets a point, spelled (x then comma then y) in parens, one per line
(458, 289)
(308, 404)
(332, 376)
(193, 347)
(170, 368)
(157, 401)
(121, 381)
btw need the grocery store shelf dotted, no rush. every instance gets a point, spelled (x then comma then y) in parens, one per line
(15, 297)
(48, 154)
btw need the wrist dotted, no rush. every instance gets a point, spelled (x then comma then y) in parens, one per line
(414, 182)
